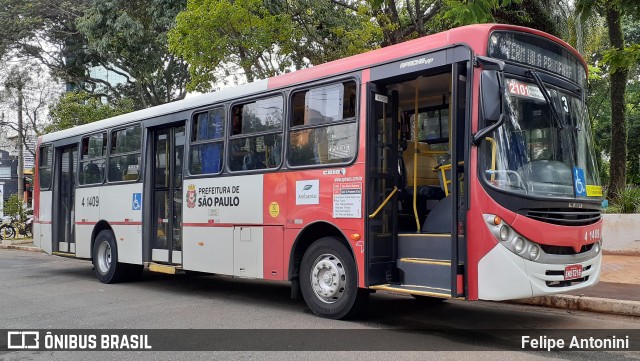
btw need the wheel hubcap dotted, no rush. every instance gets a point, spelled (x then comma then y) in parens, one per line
(104, 257)
(328, 278)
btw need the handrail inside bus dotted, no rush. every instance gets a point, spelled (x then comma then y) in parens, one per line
(494, 151)
(415, 158)
(384, 203)
(445, 182)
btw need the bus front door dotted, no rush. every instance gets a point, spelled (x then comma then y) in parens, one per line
(167, 194)
(64, 205)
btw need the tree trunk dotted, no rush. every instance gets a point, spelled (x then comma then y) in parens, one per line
(618, 171)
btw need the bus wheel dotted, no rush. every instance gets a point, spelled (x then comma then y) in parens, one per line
(329, 281)
(105, 259)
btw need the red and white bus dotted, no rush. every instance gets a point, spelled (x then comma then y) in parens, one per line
(457, 165)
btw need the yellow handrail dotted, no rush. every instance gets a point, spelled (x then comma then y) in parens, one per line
(443, 168)
(494, 151)
(384, 203)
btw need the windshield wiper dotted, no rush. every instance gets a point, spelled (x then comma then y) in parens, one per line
(547, 98)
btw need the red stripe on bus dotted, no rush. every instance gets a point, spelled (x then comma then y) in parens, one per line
(222, 224)
(125, 223)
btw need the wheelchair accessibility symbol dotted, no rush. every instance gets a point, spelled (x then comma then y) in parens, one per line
(579, 182)
(136, 204)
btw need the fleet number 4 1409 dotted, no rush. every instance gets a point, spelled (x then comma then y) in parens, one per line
(93, 201)
(592, 235)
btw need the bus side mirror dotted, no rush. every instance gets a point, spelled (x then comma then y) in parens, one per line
(491, 90)
(491, 95)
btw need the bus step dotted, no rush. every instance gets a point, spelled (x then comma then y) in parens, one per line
(64, 254)
(414, 290)
(163, 268)
(424, 245)
(426, 272)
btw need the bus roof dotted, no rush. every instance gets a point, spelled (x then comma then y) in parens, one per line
(475, 36)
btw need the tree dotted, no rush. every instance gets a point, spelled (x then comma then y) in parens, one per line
(74, 37)
(77, 108)
(619, 58)
(14, 207)
(131, 38)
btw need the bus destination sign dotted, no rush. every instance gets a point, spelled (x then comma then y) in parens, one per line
(538, 52)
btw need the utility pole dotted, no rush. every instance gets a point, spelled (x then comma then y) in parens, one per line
(20, 147)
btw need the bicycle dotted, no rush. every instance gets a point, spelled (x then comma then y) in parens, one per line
(12, 228)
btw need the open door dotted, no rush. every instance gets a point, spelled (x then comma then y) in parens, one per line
(416, 163)
(168, 155)
(382, 205)
(64, 192)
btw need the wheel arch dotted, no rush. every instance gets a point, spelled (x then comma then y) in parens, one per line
(309, 234)
(102, 225)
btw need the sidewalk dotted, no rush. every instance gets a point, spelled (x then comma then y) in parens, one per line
(20, 244)
(618, 291)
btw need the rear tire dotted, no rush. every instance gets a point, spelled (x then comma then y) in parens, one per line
(329, 280)
(105, 259)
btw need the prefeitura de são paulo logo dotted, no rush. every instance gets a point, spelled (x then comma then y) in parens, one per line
(191, 195)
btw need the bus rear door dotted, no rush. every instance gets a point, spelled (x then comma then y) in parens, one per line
(168, 155)
(64, 238)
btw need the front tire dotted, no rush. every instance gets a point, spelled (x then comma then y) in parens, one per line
(8, 231)
(329, 280)
(105, 259)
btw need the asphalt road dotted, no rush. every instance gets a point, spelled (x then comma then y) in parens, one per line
(39, 291)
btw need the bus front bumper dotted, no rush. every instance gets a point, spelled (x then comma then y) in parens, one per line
(503, 275)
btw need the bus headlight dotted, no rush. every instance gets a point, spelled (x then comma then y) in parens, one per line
(513, 241)
(596, 246)
(518, 244)
(504, 233)
(534, 252)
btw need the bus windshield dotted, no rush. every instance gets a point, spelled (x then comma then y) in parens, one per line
(539, 154)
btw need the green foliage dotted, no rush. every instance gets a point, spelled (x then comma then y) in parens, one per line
(622, 59)
(465, 12)
(211, 33)
(220, 37)
(14, 207)
(628, 201)
(131, 39)
(73, 37)
(77, 108)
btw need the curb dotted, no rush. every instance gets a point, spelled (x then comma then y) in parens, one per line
(22, 248)
(584, 303)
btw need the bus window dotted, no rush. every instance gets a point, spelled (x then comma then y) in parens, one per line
(333, 107)
(44, 170)
(207, 142)
(249, 151)
(124, 158)
(92, 159)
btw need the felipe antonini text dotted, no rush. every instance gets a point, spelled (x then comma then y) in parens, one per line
(575, 343)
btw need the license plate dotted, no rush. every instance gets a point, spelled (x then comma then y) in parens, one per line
(573, 272)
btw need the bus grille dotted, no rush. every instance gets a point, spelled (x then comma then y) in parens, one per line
(565, 217)
(564, 250)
